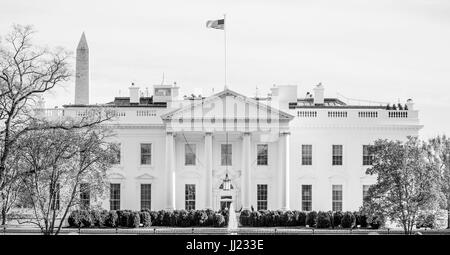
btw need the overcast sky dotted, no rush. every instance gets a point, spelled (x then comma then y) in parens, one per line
(376, 50)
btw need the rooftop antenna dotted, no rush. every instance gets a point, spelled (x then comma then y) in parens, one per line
(146, 91)
(162, 82)
(256, 92)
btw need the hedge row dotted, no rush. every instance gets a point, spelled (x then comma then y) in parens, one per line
(266, 218)
(147, 218)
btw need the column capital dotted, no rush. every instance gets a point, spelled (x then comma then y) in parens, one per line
(285, 133)
(247, 133)
(170, 133)
(208, 133)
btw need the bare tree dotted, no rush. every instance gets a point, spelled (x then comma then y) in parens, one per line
(57, 162)
(26, 71)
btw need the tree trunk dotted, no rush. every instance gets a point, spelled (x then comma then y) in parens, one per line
(448, 213)
(3, 216)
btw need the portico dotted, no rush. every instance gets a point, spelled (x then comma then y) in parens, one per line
(226, 121)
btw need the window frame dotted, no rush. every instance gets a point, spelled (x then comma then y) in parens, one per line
(85, 196)
(114, 202)
(226, 159)
(367, 156)
(306, 203)
(261, 203)
(306, 157)
(337, 197)
(190, 199)
(190, 149)
(143, 199)
(337, 160)
(149, 154)
(365, 192)
(260, 159)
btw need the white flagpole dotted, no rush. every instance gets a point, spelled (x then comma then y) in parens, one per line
(225, 44)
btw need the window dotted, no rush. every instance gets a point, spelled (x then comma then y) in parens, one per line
(306, 154)
(146, 154)
(337, 155)
(365, 191)
(114, 200)
(85, 196)
(262, 154)
(306, 197)
(115, 147)
(190, 197)
(261, 197)
(146, 196)
(55, 193)
(337, 198)
(189, 154)
(226, 152)
(367, 157)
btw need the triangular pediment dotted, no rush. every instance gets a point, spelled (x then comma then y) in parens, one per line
(227, 104)
(145, 176)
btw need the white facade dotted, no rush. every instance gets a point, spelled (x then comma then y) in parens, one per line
(282, 122)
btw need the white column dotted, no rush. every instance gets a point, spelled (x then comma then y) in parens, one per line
(170, 172)
(284, 172)
(246, 168)
(208, 166)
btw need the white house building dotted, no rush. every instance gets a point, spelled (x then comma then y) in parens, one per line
(273, 152)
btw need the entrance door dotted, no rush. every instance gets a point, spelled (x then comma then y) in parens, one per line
(225, 202)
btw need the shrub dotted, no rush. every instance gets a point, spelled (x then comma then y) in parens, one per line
(74, 219)
(255, 218)
(375, 221)
(360, 219)
(98, 217)
(265, 218)
(348, 220)
(154, 218)
(210, 213)
(145, 218)
(311, 219)
(201, 218)
(301, 219)
(112, 219)
(244, 217)
(166, 218)
(86, 219)
(160, 219)
(133, 220)
(323, 220)
(219, 220)
(426, 220)
(337, 219)
(192, 215)
(288, 218)
(123, 218)
(183, 219)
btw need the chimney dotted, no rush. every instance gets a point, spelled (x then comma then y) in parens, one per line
(410, 104)
(134, 94)
(319, 95)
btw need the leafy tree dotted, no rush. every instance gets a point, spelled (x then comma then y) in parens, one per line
(407, 181)
(439, 149)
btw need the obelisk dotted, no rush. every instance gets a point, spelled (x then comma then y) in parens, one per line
(82, 73)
